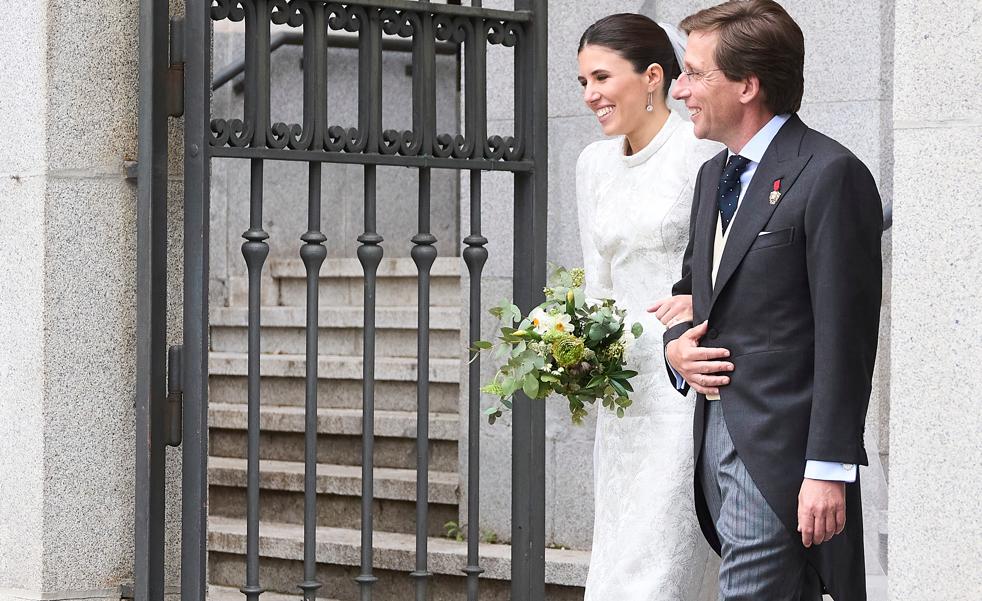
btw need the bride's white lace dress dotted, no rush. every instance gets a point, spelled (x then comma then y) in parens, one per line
(634, 218)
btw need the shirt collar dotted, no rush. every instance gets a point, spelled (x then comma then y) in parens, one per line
(757, 146)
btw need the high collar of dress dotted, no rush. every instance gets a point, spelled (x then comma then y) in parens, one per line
(639, 157)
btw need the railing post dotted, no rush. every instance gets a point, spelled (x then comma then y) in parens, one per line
(151, 298)
(197, 103)
(528, 428)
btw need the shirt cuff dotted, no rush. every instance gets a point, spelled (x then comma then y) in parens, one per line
(679, 380)
(830, 470)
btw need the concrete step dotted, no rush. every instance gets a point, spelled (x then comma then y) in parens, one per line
(339, 441)
(338, 556)
(340, 331)
(400, 369)
(336, 390)
(390, 424)
(232, 593)
(338, 493)
(342, 283)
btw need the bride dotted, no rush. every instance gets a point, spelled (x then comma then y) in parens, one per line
(634, 193)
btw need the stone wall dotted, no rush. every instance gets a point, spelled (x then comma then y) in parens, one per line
(935, 421)
(68, 110)
(66, 395)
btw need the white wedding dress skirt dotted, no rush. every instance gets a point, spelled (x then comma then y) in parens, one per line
(634, 216)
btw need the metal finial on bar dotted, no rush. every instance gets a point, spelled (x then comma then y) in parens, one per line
(369, 255)
(313, 254)
(423, 254)
(475, 256)
(255, 250)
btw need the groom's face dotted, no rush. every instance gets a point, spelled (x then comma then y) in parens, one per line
(712, 99)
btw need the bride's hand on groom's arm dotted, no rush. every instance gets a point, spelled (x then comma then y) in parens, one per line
(699, 366)
(673, 310)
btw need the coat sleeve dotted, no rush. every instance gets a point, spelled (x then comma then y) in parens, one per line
(843, 225)
(684, 285)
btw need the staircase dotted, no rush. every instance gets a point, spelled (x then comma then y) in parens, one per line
(339, 441)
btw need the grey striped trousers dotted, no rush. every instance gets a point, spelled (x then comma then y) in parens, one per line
(761, 560)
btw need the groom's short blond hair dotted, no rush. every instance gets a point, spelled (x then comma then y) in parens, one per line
(757, 37)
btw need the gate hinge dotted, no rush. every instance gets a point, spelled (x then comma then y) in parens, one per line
(175, 70)
(175, 394)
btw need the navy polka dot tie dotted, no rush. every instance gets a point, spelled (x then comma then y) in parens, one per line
(728, 192)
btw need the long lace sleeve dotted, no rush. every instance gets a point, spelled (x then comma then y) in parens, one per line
(597, 267)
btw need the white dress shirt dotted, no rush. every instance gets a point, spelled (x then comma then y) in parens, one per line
(754, 151)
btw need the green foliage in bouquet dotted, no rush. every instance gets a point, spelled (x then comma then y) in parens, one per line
(565, 346)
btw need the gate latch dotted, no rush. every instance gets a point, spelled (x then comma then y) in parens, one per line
(175, 394)
(175, 70)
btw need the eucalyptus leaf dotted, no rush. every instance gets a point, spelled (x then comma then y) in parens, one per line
(531, 386)
(637, 329)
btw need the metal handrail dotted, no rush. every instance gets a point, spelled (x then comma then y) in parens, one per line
(295, 38)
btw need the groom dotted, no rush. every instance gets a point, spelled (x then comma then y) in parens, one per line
(783, 265)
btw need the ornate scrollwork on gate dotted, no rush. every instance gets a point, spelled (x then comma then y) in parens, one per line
(405, 24)
(456, 30)
(315, 133)
(233, 10)
(296, 136)
(508, 34)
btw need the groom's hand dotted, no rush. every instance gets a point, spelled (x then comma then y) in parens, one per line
(821, 510)
(700, 366)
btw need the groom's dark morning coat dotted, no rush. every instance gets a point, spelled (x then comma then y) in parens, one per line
(797, 303)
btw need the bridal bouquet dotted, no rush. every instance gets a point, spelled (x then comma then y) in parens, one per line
(566, 346)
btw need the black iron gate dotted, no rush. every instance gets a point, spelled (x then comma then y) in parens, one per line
(172, 397)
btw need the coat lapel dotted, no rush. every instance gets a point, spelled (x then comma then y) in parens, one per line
(780, 161)
(702, 260)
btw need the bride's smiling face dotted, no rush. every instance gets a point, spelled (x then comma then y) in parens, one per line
(612, 89)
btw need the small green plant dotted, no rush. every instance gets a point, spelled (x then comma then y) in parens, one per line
(453, 531)
(457, 532)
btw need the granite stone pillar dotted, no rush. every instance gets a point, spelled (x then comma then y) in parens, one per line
(935, 536)
(68, 116)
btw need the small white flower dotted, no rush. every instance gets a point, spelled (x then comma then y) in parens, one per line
(563, 323)
(627, 339)
(542, 322)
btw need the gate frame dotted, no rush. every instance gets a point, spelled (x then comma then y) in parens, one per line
(529, 275)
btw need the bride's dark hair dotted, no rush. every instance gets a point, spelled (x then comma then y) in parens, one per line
(637, 39)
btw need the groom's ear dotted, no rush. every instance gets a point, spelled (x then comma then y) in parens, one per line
(751, 91)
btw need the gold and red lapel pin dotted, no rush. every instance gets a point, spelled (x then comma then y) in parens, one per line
(776, 193)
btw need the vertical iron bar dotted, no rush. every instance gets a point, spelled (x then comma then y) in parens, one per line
(528, 459)
(423, 254)
(475, 86)
(151, 324)
(369, 255)
(255, 250)
(475, 256)
(197, 103)
(312, 252)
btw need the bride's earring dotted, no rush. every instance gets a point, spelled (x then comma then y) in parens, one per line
(649, 106)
